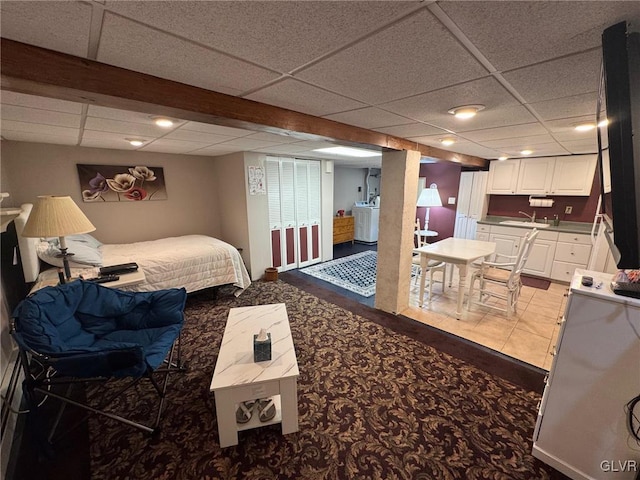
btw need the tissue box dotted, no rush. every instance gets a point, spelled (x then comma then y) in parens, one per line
(261, 350)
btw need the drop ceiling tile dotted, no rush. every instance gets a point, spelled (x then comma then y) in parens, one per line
(246, 143)
(567, 107)
(39, 137)
(518, 142)
(34, 115)
(117, 139)
(581, 146)
(563, 77)
(125, 128)
(162, 55)
(171, 146)
(412, 130)
(38, 128)
(42, 103)
(514, 34)
(397, 62)
(564, 125)
(278, 35)
(212, 151)
(272, 137)
(572, 135)
(106, 143)
(485, 91)
(287, 148)
(505, 132)
(301, 97)
(60, 26)
(369, 117)
(193, 136)
(215, 129)
(497, 117)
(540, 150)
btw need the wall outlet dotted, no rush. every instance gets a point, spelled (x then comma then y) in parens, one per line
(359, 189)
(452, 201)
(568, 209)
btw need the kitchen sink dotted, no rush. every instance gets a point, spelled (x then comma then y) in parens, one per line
(522, 223)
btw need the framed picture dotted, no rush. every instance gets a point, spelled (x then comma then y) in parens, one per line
(118, 183)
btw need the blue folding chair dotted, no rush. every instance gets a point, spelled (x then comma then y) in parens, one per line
(84, 332)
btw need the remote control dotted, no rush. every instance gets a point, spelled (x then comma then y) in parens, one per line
(104, 279)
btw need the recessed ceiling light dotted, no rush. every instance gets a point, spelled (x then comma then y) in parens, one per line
(584, 127)
(348, 151)
(603, 123)
(163, 122)
(526, 152)
(447, 141)
(503, 158)
(135, 142)
(466, 111)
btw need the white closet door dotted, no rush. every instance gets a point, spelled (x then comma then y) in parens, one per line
(275, 218)
(464, 202)
(315, 209)
(288, 214)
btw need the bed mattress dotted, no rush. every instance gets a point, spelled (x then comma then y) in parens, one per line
(194, 262)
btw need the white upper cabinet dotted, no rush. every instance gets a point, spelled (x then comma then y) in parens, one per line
(573, 175)
(503, 177)
(535, 176)
(569, 175)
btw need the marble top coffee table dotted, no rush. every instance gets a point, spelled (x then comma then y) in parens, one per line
(238, 378)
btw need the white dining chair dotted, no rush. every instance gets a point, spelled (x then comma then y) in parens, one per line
(433, 266)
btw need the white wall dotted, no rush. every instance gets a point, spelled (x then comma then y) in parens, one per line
(33, 169)
(346, 181)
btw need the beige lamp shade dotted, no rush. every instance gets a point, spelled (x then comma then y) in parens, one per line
(54, 216)
(429, 197)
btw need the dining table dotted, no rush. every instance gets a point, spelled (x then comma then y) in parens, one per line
(460, 252)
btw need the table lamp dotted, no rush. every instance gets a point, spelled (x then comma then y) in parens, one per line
(429, 197)
(57, 216)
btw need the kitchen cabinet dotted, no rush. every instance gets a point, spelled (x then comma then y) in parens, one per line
(573, 175)
(535, 176)
(472, 203)
(503, 177)
(293, 191)
(343, 229)
(566, 175)
(573, 251)
(366, 223)
(541, 257)
(581, 428)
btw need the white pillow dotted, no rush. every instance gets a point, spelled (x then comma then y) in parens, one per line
(84, 254)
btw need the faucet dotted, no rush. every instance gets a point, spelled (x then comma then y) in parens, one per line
(530, 217)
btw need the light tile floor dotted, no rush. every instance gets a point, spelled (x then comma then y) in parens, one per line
(530, 335)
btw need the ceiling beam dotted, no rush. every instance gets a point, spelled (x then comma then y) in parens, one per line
(38, 71)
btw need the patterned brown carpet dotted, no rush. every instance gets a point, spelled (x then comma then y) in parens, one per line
(373, 404)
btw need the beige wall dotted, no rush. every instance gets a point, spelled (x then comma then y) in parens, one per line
(193, 205)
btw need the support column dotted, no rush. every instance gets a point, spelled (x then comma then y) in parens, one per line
(398, 189)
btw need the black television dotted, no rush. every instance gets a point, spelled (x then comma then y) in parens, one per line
(619, 100)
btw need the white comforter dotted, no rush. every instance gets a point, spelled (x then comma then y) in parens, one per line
(191, 261)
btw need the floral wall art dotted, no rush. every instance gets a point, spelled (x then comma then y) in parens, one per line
(117, 183)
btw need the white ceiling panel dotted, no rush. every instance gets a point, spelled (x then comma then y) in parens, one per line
(163, 55)
(171, 146)
(35, 115)
(370, 117)
(512, 34)
(298, 96)
(60, 26)
(395, 67)
(373, 71)
(539, 150)
(580, 73)
(262, 32)
(42, 103)
(39, 137)
(567, 107)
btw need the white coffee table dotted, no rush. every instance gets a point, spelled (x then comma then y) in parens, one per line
(238, 378)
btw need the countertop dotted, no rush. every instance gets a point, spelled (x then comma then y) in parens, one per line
(566, 227)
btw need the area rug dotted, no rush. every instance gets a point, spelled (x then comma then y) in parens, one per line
(356, 273)
(373, 404)
(534, 282)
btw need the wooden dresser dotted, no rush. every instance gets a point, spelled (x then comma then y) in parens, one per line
(343, 229)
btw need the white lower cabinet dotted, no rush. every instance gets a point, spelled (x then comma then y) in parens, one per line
(573, 251)
(581, 428)
(541, 257)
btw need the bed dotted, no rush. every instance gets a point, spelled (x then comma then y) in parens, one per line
(195, 262)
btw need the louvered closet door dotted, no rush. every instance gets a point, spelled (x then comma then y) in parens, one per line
(275, 222)
(315, 211)
(288, 214)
